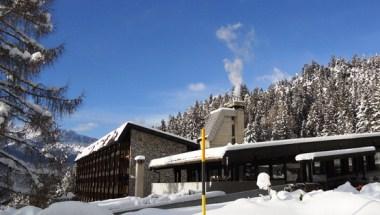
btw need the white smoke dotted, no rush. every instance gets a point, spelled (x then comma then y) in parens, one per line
(234, 69)
(240, 44)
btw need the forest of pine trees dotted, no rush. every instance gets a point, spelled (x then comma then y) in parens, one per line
(342, 97)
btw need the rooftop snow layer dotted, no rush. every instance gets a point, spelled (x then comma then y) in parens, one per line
(216, 153)
(302, 140)
(312, 155)
(109, 138)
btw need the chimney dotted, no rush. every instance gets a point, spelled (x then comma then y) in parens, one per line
(225, 125)
(139, 180)
(238, 121)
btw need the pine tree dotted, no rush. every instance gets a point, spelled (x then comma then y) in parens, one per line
(253, 131)
(314, 120)
(329, 119)
(375, 103)
(163, 126)
(363, 115)
(249, 135)
(25, 104)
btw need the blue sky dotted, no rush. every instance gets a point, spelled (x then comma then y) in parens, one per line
(143, 60)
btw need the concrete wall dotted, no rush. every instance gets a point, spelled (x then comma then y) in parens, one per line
(151, 147)
(239, 126)
(224, 133)
(226, 186)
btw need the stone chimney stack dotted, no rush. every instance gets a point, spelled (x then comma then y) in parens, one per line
(225, 125)
(238, 121)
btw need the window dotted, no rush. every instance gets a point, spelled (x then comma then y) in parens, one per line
(233, 139)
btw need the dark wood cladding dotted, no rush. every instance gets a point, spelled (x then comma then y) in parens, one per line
(104, 174)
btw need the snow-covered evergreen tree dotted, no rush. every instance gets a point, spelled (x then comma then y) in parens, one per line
(342, 97)
(363, 115)
(375, 103)
(26, 105)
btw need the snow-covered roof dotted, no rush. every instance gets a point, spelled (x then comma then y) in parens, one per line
(212, 154)
(313, 155)
(302, 140)
(115, 135)
(106, 140)
(215, 120)
(218, 153)
(140, 158)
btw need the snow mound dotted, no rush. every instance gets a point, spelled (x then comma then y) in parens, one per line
(27, 210)
(340, 203)
(7, 211)
(346, 187)
(284, 195)
(263, 181)
(74, 208)
(153, 200)
(372, 190)
(309, 195)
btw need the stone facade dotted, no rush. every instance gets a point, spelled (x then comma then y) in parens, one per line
(151, 146)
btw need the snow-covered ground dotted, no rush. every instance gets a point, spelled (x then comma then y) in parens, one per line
(343, 200)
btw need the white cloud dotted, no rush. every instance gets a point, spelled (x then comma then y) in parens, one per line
(227, 33)
(276, 76)
(102, 121)
(237, 39)
(197, 87)
(176, 100)
(150, 119)
(84, 127)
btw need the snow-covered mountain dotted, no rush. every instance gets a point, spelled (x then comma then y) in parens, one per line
(72, 137)
(68, 146)
(46, 164)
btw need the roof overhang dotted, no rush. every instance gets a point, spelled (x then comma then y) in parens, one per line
(274, 151)
(189, 158)
(333, 154)
(286, 150)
